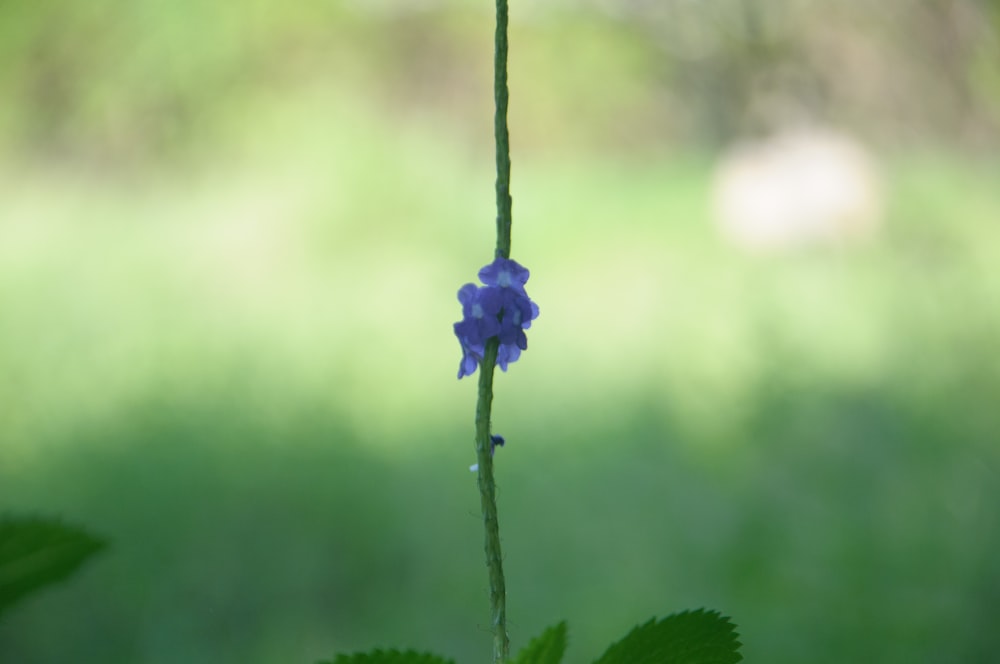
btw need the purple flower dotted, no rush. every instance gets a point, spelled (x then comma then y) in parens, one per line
(499, 309)
(505, 273)
(480, 319)
(496, 440)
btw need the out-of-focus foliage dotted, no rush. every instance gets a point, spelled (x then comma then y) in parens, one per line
(139, 80)
(389, 657)
(142, 80)
(231, 235)
(256, 400)
(35, 553)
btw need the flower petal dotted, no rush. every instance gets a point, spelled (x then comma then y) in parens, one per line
(505, 273)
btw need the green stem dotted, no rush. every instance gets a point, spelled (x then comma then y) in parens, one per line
(500, 133)
(488, 501)
(484, 443)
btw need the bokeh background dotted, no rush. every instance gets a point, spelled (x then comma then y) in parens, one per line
(231, 234)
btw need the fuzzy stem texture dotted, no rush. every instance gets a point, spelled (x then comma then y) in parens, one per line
(500, 133)
(488, 502)
(484, 445)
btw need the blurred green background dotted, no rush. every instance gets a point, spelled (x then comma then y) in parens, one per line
(231, 235)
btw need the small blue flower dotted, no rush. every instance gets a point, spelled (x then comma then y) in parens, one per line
(496, 441)
(505, 273)
(499, 309)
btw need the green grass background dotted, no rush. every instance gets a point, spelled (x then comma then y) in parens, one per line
(239, 367)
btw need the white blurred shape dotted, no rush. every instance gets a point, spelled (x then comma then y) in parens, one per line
(796, 189)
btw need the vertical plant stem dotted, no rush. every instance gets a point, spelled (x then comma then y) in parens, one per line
(484, 444)
(488, 501)
(500, 133)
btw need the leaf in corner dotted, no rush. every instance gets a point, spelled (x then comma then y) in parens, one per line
(37, 552)
(689, 637)
(388, 657)
(547, 648)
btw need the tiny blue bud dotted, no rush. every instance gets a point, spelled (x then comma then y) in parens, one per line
(495, 442)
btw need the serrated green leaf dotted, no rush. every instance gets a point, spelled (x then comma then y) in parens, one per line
(389, 657)
(547, 648)
(37, 552)
(690, 637)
